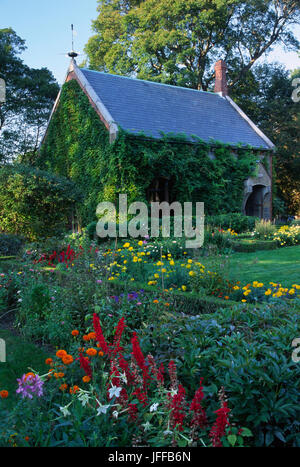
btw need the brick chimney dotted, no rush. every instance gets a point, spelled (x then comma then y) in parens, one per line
(221, 80)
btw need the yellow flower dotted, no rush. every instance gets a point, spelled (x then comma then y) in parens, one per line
(126, 245)
(268, 292)
(184, 288)
(141, 243)
(192, 273)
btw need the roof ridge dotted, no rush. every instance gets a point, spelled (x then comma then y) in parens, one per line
(151, 82)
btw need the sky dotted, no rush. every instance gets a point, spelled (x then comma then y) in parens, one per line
(46, 28)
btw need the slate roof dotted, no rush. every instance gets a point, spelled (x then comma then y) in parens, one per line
(137, 105)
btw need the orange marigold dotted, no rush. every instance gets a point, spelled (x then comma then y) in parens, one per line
(63, 387)
(92, 335)
(74, 389)
(61, 353)
(91, 352)
(100, 354)
(68, 359)
(86, 338)
(59, 375)
(49, 361)
(75, 332)
(4, 394)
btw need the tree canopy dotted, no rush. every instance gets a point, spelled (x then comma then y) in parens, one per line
(30, 96)
(179, 41)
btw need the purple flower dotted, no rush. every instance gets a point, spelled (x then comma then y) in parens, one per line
(99, 282)
(133, 296)
(29, 386)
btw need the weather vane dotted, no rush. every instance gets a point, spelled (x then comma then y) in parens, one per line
(73, 54)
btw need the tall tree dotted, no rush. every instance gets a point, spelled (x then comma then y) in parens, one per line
(178, 41)
(30, 97)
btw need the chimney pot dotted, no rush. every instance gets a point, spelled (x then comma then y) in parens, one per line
(221, 79)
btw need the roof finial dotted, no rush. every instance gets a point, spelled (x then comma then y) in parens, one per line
(73, 54)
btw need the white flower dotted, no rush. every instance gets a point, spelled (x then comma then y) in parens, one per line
(153, 407)
(115, 414)
(114, 391)
(123, 378)
(65, 410)
(174, 392)
(102, 409)
(146, 426)
(83, 397)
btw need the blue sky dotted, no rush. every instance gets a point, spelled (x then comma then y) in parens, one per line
(46, 28)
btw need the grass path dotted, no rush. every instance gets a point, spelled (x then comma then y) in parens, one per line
(282, 265)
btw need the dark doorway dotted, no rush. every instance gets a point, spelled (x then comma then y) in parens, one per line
(255, 202)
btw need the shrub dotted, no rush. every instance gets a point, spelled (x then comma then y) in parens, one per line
(287, 236)
(35, 203)
(264, 229)
(10, 245)
(236, 221)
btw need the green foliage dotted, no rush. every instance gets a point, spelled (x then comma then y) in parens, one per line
(177, 42)
(264, 229)
(234, 220)
(34, 203)
(77, 146)
(246, 351)
(30, 94)
(10, 245)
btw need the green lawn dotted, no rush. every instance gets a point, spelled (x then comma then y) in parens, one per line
(282, 265)
(20, 355)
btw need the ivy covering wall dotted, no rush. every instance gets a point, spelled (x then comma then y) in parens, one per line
(77, 146)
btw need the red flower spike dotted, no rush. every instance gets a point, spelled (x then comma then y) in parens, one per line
(99, 335)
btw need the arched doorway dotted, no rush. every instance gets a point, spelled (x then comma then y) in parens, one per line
(255, 203)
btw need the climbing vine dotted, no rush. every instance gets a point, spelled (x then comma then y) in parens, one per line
(77, 146)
